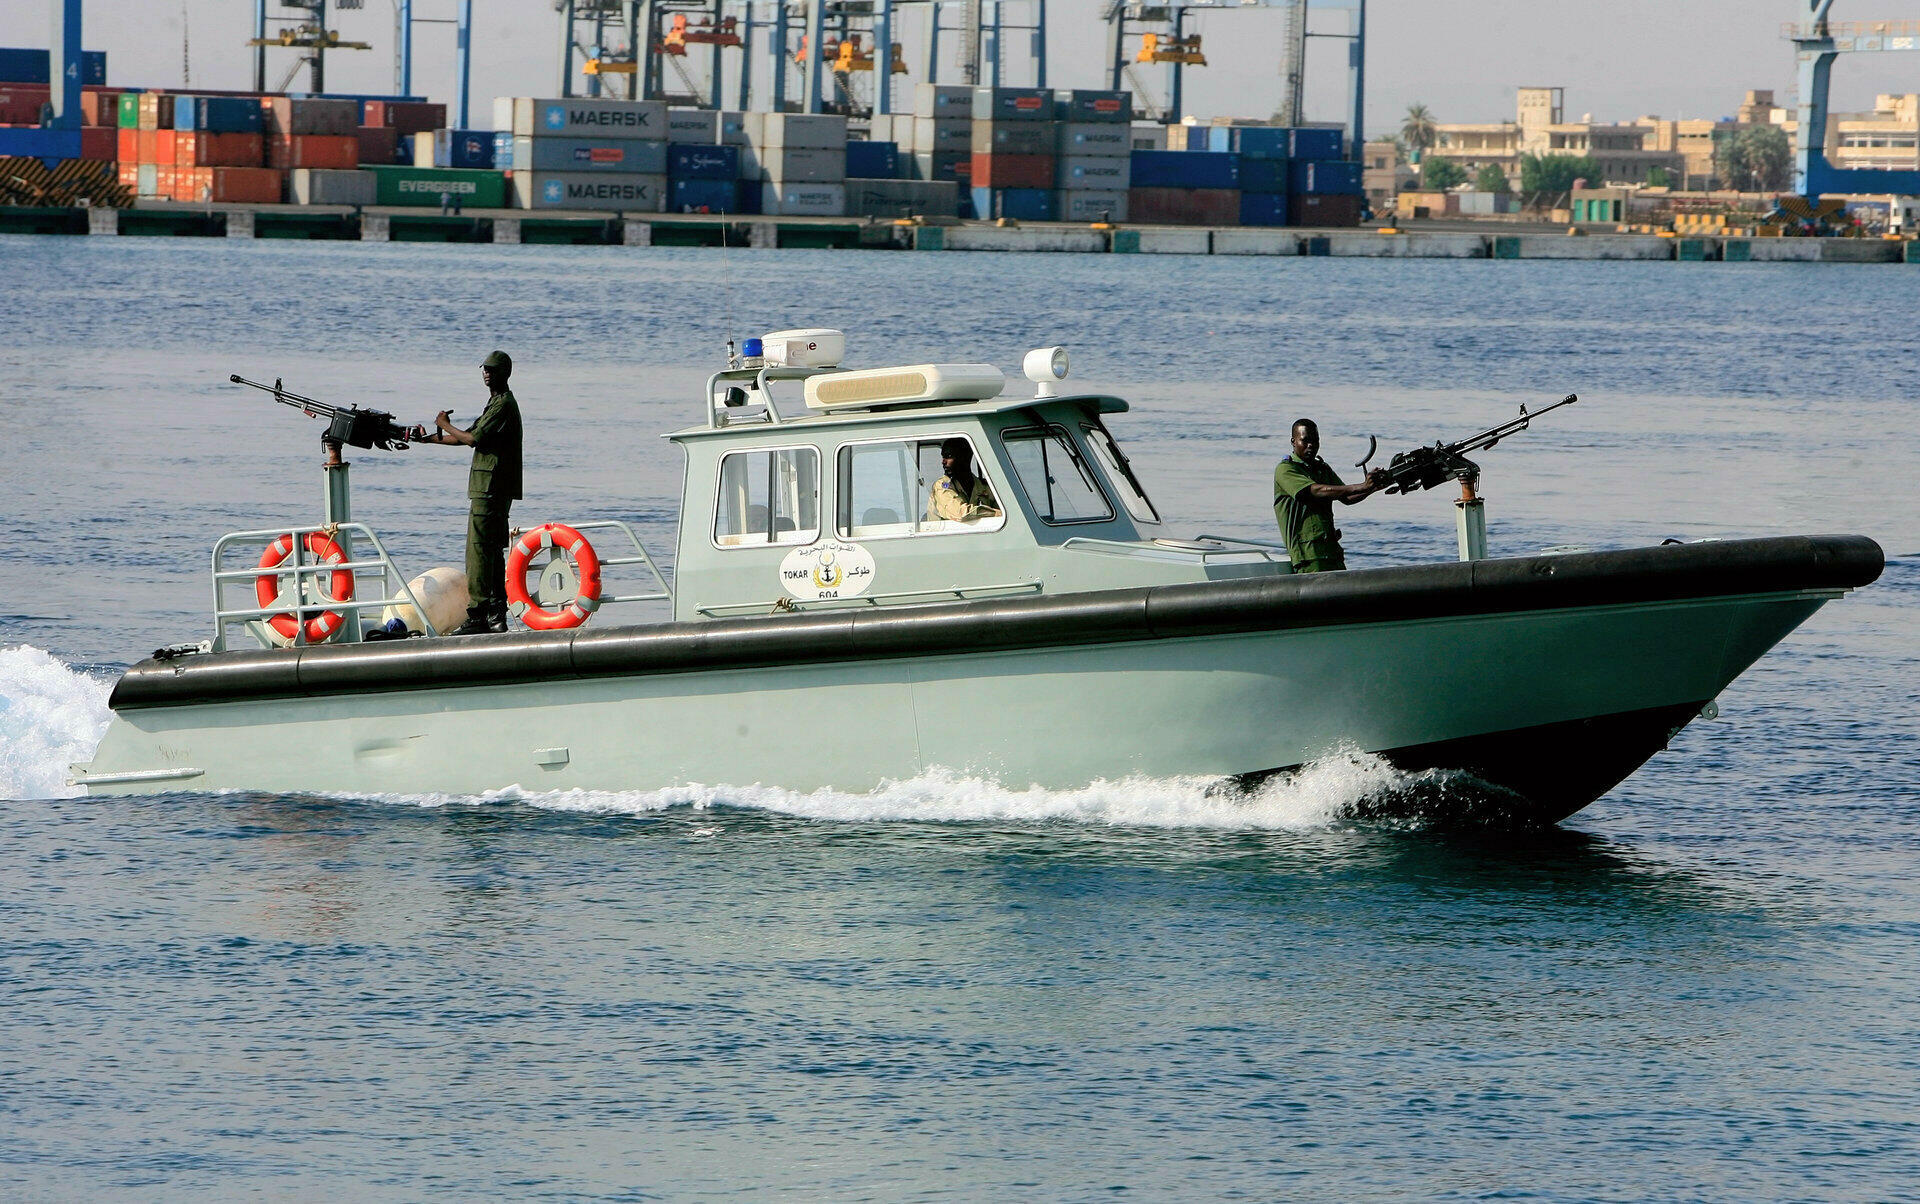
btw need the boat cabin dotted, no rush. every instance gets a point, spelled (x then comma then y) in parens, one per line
(812, 486)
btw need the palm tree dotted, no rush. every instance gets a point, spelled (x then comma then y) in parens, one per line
(1418, 131)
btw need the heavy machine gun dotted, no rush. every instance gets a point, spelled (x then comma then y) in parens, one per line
(346, 425)
(1425, 467)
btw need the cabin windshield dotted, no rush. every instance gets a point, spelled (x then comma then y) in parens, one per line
(768, 497)
(893, 488)
(1119, 472)
(1058, 483)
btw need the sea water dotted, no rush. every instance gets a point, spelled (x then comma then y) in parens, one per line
(1703, 986)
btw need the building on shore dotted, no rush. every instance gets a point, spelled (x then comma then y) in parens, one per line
(1627, 152)
(1385, 174)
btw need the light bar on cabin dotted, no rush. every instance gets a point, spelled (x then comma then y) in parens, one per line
(910, 385)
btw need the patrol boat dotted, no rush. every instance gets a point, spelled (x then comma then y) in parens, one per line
(830, 629)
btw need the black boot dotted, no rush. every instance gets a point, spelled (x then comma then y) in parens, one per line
(497, 620)
(477, 623)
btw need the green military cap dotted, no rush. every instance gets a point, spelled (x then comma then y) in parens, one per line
(498, 359)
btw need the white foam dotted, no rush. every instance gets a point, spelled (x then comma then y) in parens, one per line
(50, 716)
(1319, 795)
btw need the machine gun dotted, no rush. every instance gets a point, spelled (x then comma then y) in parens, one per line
(349, 425)
(1425, 467)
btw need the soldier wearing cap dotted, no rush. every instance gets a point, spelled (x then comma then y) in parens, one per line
(493, 485)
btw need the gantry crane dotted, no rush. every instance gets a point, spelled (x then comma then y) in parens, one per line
(1818, 43)
(307, 33)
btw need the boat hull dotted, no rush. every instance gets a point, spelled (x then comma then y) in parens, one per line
(1543, 676)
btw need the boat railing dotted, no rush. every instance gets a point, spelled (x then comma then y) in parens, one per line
(1231, 545)
(394, 590)
(760, 404)
(664, 592)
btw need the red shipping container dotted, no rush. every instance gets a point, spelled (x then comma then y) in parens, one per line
(243, 185)
(99, 107)
(1317, 209)
(186, 144)
(20, 103)
(1011, 171)
(146, 146)
(182, 184)
(165, 178)
(128, 145)
(218, 150)
(1184, 206)
(406, 117)
(287, 151)
(378, 142)
(163, 144)
(129, 172)
(99, 144)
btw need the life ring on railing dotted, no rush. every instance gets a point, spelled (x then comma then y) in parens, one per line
(266, 587)
(582, 560)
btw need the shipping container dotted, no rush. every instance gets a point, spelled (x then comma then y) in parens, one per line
(424, 186)
(99, 107)
(1087, 139)
(166, 180)
(127, 146)
(589, 117)
(1090, 205)
(25, 65)
(902, 198)
(1322, 209)
(942, 167)
(1012, 138)
(1012, 104)
(218, 114)
(1263, 208)
(218, 150)
(736, 128)
(130, 175)
(802, 131)
(1337, 177)
(291, 115)
(942, 136)
(1263, 175)
(689, 161)
(503, 149)
(624, 156)
(1098, 171)
(943, 100)
(163, 144)
(702, 195)
(746, 196)
(147, 179)
(379, 145)
(1185, 169)
(1081, 105)
(873, 160)
(802, 164)
(589, 190)
(695, 126)
(311, 186)
(129, 110)
(1034, 172)
(1261, 141)
(287, 151)
(793, 199)
(1184, 206)
(457, 148)
(21, 104)
(1315, 143)
(1018, 204)
(156, 111)
(237, 185)
(1148, 135)
(405, 117)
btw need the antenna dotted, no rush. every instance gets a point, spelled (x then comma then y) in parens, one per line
(186, 51)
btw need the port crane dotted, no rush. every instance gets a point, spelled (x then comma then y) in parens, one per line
(1817, 43)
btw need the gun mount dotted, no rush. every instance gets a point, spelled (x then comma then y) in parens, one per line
(350, 426)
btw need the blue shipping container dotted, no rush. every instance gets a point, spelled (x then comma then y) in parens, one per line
(873, 160)
(1185, 169)
(1263, 175)
(503, 149)
(1263, 208)
(217, 114)
(686, 161)
(747, 196)
(463, 148)
(1325, 178)
(703, 195)
(25, 66)
(1316, 144)
(1262, 142)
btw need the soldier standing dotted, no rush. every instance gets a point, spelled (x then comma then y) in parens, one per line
(493, 485)
(1304, 490)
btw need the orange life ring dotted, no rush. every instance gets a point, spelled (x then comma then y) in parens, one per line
(586, 566)
(266, 587)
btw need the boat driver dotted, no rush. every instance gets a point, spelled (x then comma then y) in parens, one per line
(960, 495)
(493, 485)
(1304, 490)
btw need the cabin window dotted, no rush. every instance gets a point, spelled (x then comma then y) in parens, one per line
(1058, 482)
(768, 497)
(1119, 472)
(888, 490)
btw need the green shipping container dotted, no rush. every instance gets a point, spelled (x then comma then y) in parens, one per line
(424, 186)
(129, 110)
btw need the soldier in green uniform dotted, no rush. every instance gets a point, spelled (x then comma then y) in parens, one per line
(960, 495)
(493, 485)
(1304, 490)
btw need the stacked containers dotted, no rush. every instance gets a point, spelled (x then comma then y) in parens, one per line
(802, 159)
(218, 149)
(702, 174)
(740, 130)
(1323, 188)
(1011, 173)
(311, 131)
(1185, 188)
(1264, 152)
(939, 135)
(388, 127)
(454, 148)
(588, 153)
(1092, 141)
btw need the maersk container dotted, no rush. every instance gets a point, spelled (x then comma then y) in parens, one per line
(802, 164)
(702, 195)
(802, 131)
(797, 199)
(1011, 138)
(1185, 169)
(589, 190)
(623, 156)
(1012, 104)
(942, 136)
(1263, 208)
(589, 117)
(425, 186)
(943, 101)
(1082, 105)
(1093, 139)
(1337, 177)
(1263, 175)
(1098, 171)
(695, 126)
(1314, 143)
(24, 65)
(733, 127)
(686, 161)
(873, 160)
(1090, 205)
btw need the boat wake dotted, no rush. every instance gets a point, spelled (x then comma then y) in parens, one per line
(52, 715)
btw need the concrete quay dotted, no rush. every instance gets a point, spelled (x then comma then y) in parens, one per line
(519, 226)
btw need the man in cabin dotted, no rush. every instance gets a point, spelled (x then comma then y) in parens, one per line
(493, 485)
(960, 495)
(1304, 490)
